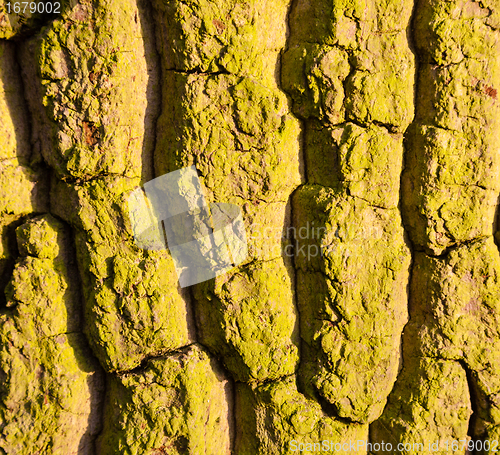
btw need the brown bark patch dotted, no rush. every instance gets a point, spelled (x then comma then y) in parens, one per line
(90, 133)
(219, 26)
(490, 91)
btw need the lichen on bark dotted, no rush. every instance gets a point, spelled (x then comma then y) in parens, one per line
(51, 385)
(360, 141)
(225, 114)
(351, 81)
(450, 192)
(176, 405)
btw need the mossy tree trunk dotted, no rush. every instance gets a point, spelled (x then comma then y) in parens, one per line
(361, 140)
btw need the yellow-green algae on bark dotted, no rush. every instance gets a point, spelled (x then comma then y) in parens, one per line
(284, 421)
(450, 198)
(224, 113)
(451, 181)
(22, 188)
(352, 294)
(134, 308)
(92, 82)
(92, 98)
(430, 404)
(173, 405)
(350, 72)
(89, 69)
(51, 386)
(453, 331)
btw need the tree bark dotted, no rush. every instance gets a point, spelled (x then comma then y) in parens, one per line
(360, 141)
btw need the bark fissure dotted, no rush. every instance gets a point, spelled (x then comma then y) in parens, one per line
(358, 142)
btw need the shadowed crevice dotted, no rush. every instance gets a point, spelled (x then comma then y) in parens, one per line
(98, 379)
(153, 90)
(408, 241)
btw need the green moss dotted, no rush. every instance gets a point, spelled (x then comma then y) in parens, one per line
(351, 62)
(449, 32)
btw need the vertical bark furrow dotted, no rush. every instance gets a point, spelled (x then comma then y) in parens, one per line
(451, 182)
(350, 72)
(95, 99)
(305, 114)
(224, 112)
(19, 20)
(23, 187)
(450, 198)
(49, 379)
(96, 130)
(276, 418)
(178, 405)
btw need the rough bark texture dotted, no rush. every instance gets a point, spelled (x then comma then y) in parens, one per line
(360, 138)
